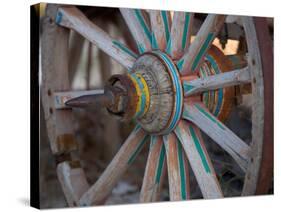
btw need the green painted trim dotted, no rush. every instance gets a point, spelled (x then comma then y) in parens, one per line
(154, 41)
(202, 51)
(202, 110)
(143, 24)
(185, 30)
(141, 48)
(124, 48)
(200, 150)
(138, 149)
(59, 17)
(182, 170)
(180, 64)
(187, 87)
(166, 25)
(160, 164)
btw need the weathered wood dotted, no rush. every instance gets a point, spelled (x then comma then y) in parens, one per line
(191, 140)
(73, 181)
(73, 18)
(265, 179)
(178, 173)
(76, 43)
(139, 28)
(190, 61)
(98, 192)
(255, 64)
(180, 34)
(160, 27)
(61, 97)
(155, 171)
(55, 78)
(235, 77)
(231, 143)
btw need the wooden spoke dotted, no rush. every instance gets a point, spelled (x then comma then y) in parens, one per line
(154, 171)
(98, 192)
(61, 97)
(231, 143)
(178, 173)
(73, 18)
(139, 28)
(160, 26)
(193, 145)
(180, 34)
(73, 181)
(235, 77)
(190, 61)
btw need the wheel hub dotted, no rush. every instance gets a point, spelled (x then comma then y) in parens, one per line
(155, 95)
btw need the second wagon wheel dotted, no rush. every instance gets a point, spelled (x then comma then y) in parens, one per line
(174, 89)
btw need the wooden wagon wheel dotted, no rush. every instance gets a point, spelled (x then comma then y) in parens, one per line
(162, 91)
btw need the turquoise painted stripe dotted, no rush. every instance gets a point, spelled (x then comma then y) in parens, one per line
(200, 150)
(169, 47)
(178, 91)
(187, 87)
(58, 17)
(124, 48)
(137, 151)
(182, 170)
(142, 23)
(209, 116)
(185, 30)
(166, 25)
(180, 64)
(219, 103)
(202, 51)
(154, 41)
(160, 164)
(141, 48)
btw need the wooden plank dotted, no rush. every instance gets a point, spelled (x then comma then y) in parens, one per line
(98, 192)
(178, 173)
(55, 78)
(139, 28)
(155, 171)
(180, 34)
(235, 77)
(199, 160)
(160, 27)
(61, 97)
(231, 143)
(190, 61)
(73, 18)
(73, 181)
